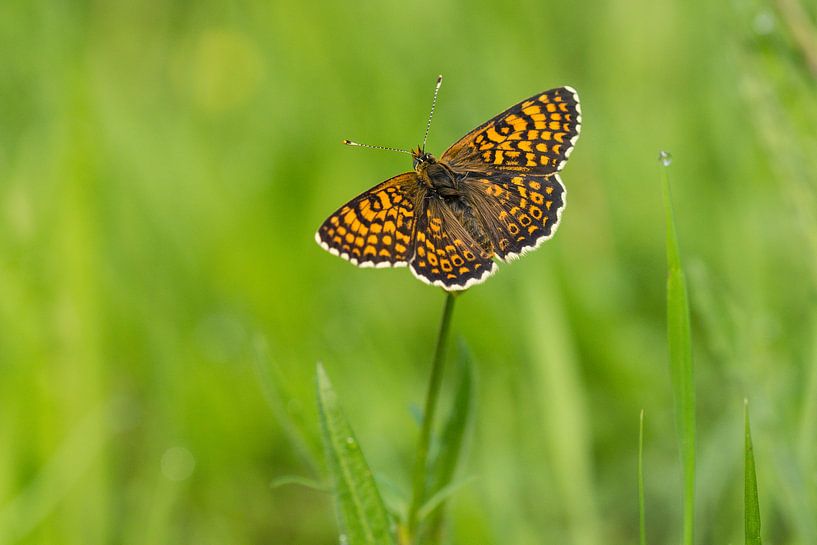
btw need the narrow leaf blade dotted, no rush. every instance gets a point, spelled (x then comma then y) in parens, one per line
(751, 516)
(363, 516)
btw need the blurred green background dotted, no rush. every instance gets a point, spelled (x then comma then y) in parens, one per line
(163, 167)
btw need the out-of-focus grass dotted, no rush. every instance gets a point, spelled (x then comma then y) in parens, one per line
(163, 167)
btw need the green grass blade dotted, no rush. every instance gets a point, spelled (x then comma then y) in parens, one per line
(363, 516)
(680, 355)
(642, 524)
(751, 515)
(447, 456)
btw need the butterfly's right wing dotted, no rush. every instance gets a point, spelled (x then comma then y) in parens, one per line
(536, 135)
(376, 228)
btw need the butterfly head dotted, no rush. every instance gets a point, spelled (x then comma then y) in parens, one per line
(422, 158)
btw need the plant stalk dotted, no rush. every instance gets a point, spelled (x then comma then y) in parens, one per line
(424, 441)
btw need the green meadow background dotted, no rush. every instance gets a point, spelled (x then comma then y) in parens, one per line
(163, 168)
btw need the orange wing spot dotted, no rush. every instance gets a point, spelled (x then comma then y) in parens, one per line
(385, 202)
(334, 220)
(537, 198)
(467, 254)
(556, 117)
(549, 189)
(554, 125)
(350, 238)
(548, 204)
(386, 240)
(535, 185)
(518, 124)
(493, 135)
(531, 158)
(350, 217)
(446, 265)
(487, 156)
(545, 160)
(551, 107)
(527, 103)
(384, 253)
(371, 239)
(560, 137)
(524, 145)
(341, 230)
(546, 135)
(540, 125)
(505, 130)
(356, 252)
(539, 117)
(432, 259)
(533, 135)
(421, 251)
(359, 242)
(400, 248)
(536, 212)
(337, 240)
(499, 158)
(513, 228)
(457, 260)
(544, 98)
(532, 228)
(376, 228)
(562, 107)
(503, 215)
(532, 110)
(525, 220)
(464, 270)
(542, 147)
(557, 149)
(402, 237)
(369, 250)
(389, 227)
(506, 145)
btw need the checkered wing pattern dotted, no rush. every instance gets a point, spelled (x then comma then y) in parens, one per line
(519, 211)
(536, 135)
(445, 254)
(376, 228)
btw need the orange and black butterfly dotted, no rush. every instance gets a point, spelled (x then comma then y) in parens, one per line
(494, 194)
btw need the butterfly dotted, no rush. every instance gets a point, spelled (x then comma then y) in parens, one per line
(494, 194)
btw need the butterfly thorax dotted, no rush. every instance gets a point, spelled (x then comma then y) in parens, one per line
(443, 183)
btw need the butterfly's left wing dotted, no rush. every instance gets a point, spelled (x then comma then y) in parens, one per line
(375, 229)
(518, 211)
(536, 135)
(445, 254)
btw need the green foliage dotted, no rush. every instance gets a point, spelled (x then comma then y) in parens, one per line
(680, 358)
(363, 516)
(751, 505)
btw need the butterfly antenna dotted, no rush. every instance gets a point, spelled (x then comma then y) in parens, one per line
(350, 143)
(433, 104)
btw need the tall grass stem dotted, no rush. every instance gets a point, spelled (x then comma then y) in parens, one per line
(421, 461)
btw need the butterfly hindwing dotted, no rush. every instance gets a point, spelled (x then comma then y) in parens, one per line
(518, 211)
(445, 254)
(376, 228)
(536, 135)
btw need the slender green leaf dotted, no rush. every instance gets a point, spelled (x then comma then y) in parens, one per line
(642, 524)
(680, 356)
(363, 516)
(447, 456)
(751, 515)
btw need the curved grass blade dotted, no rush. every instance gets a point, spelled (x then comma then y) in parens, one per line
(751, 515)
(363, 516)
(642, 520)
(680, 355)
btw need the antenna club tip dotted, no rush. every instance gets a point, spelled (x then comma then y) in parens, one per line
(439, 79)
(347, 142)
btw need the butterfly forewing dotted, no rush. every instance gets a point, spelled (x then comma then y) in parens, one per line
(376, 228)
(536, 135)
(519, 211)
(445, 254)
